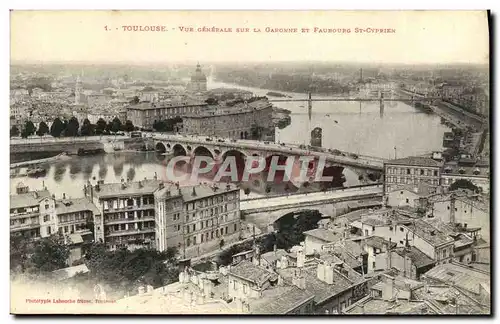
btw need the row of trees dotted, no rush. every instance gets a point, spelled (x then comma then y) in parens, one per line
(290, 232)
(127, 269)
(72, 128)
(166, 125)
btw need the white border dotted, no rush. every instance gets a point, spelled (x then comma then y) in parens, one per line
(193, 5)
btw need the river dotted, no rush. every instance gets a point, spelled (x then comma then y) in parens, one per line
(346, 126)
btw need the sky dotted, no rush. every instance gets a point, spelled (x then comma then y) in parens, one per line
(420, 37)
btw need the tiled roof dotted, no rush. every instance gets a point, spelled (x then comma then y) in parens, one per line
(417, 257)
(378, 242)
(371, 305)
(67, 206)
(320, 289)
(279, 300)
(459, 275)
(205, 190)
(143, 187)
(248, 271)
(66, 273)
(272, 256)
(429, 233)
(416, 161)
(28, 199)
(323, 234)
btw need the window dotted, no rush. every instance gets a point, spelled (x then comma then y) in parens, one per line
(448, 207)
(194, 240)
(407, 171)
(435, 173)
(421, 172)
(47, 206)
(401, 229)
(407, 200)
(373, 228)
(235, 227)
(46, 218)
(188, 242)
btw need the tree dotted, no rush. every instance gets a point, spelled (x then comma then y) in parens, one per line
(42, 129)
(14, 131)
(132, 268)
(50, 254)
(72, 128)
(100, 126)
(86, 129)
(29, 128)
(56, 128)
(116, 125)
(129, 126)
(464, 184)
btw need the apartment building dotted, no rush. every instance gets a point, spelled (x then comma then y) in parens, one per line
(32, 213)
(126, 213)
(197, 219)
(412, 170)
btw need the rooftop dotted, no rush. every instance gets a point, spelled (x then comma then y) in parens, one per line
(67, 206)
(66, 273)
(422, 189)
(371, 305)
(422, 161)
(324, 235)
(28, 199)
(143, 187)
(417, 257)
(250, 272)
(320, 289)
(147, 105)
(443, 297)
(453, 168)
(378, 242)
(279, 300)
(429, 233)
(205, 190)
(459, 275)
(274, 256)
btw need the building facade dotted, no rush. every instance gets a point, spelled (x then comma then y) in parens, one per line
(197, 219)
(237, 122)
(145, 114)
(412, 171)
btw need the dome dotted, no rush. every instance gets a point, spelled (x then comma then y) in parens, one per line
(198, 76)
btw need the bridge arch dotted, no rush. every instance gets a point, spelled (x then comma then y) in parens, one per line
(240, 160)
(160, 147)
(203, 151)
(179, 150)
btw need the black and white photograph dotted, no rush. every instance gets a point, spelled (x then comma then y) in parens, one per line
(327, 163)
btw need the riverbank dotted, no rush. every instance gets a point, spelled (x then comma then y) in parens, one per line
(59, 157)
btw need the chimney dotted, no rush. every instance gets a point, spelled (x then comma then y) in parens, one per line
(140, 184)
(320, 271)
(228, 187)
(194, 192)
(35, 194)
(298, 279)
(275, 247)
(388, 289)
(301, 258)
(283, 262)
(155, 177)
(160, 185)
(328, 274)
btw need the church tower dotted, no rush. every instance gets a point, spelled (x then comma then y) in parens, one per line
(78, 90)
(198, 80)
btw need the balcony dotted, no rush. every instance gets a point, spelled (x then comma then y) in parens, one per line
(130, 232)
(25, 214)
(128, 220)
(20, 227)
(129, 208)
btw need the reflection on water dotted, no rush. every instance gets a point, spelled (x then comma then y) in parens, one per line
(70, 176)
(350, 126)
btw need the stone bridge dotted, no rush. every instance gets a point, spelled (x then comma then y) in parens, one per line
(264, 211)
(369, 169)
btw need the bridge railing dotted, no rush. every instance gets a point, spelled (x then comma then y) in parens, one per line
(326, 192)
(361, 160)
